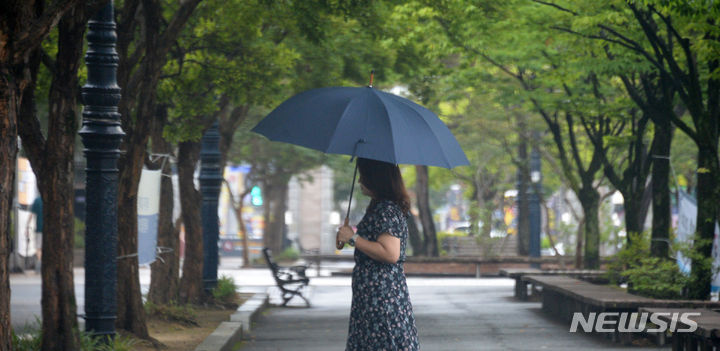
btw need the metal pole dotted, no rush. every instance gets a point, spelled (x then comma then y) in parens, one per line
(101, 135)
(534, 204)
(210, 181)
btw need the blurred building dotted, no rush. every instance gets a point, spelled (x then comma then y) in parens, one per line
(311, 221)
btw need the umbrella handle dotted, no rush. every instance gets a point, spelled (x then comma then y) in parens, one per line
(339, 245)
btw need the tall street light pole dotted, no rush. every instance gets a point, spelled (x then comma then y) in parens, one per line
(210, 181)
(534, 214)
(101, 135)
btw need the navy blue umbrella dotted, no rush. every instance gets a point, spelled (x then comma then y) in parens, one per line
(363, 122)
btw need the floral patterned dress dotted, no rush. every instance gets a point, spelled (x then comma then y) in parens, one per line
(381, 316)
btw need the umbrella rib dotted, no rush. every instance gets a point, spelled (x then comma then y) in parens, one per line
(447, 161)
(339, 121)
(392, 132)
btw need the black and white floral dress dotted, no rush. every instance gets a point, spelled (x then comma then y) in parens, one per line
(381, 316)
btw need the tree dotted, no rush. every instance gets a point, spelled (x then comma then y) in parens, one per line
(23, 26)
(677, 40)
(145, 37)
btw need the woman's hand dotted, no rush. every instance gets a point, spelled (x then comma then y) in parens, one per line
(343, 236)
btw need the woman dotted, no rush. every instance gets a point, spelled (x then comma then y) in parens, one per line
(381, 316)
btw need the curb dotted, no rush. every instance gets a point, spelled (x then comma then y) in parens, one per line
(228, 334)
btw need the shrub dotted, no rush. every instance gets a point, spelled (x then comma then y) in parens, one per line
(649, 276)
(442, 238)
(226, 290)
(289, 254)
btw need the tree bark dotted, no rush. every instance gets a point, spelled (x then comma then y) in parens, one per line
(276, 190)
(23, 26)
(423, 202)
(8, 149)
(165, 272)
(191, 283)
(590, 201)
(660, 244)
(57, 188)
(708, 191)
(416, 241)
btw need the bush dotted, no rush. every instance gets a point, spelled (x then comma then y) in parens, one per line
(442, 237)
(656, 278)
(226, 290)
(290, 254)
(645, 275)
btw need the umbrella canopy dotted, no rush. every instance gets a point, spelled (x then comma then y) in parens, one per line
(364, 122)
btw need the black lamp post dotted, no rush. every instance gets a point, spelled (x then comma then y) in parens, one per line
(210, 181)
(534, 214)
(101, 134)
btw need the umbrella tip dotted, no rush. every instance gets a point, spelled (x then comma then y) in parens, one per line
(372, 75)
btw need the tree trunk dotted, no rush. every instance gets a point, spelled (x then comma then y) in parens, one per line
(708, 196)
(57, 188)
(579, 244)
(423, 202)
(191, 283)
(660, 244)
(590, 201)
(23, 26)
(8, 153)
(275, 207)
(131, 314)
(165, 272)
(416, 241)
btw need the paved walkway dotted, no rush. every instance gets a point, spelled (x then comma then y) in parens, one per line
(451, 314)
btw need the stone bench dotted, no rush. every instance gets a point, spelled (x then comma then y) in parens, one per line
(563, 296)
(705, 337)
(521, 287)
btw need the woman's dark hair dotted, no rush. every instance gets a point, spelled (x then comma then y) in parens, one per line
(384, 181)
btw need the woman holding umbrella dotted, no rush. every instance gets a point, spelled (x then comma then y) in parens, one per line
(381, 316)
(381, 130)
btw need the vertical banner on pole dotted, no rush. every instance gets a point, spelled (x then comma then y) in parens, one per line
(148, 206)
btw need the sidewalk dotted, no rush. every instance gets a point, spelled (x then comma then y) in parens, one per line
(451, 314)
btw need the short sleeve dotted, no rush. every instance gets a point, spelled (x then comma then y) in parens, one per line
(391, 220)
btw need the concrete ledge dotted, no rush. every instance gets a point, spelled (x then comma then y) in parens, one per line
(228, 334)
(249, 310)
(223, 338)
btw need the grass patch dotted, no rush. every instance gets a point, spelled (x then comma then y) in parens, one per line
(31, 340)
(183, 314)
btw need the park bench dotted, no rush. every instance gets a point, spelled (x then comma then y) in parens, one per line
(290, 280)
(705, 337)
(521, 287)
(562, 296)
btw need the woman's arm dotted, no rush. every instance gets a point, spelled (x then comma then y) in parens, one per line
(386, 249)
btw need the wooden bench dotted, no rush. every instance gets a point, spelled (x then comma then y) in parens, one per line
(290, 280)
(521, 287)
(563, 296)
(705, 337)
